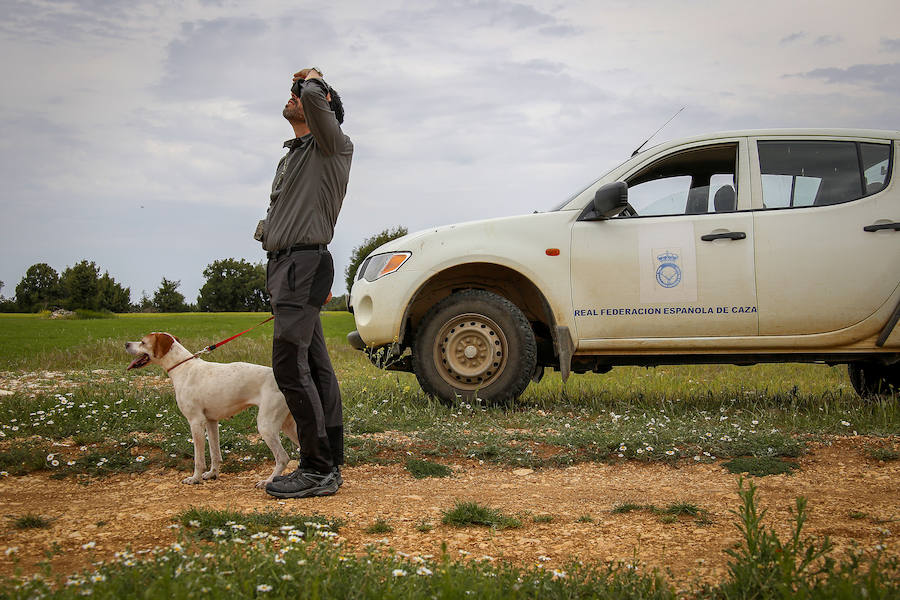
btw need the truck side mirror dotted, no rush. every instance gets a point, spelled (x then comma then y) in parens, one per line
(610, 200)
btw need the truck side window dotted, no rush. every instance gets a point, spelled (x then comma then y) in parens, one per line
(811, 173)
(684, 183)
(876, 162)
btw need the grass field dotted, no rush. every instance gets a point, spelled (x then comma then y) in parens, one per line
(32, 342)
(69, 386)
(698, 412)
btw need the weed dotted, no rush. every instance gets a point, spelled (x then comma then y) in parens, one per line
(472, 513)
(668, 514)
(31, 521)
(668, 519)
(858, 515)
(882, 453)
(421, 469)
(764, 566)
(682, 508)
(542, 518)
(627, 507)
(207, 524)
(23, 458)
(760, 466)
(379, 526)
(585, 519)
(424, 526)
(360, 450)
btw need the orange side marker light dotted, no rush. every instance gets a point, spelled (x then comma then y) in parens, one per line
(552, 251)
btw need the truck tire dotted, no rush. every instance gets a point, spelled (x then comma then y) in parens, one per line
(871, 380)
(474, 344)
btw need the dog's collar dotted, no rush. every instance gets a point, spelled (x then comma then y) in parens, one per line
(170, 369)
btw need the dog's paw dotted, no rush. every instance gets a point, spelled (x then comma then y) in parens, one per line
(262, 484)
(211, 475)
(192, 480)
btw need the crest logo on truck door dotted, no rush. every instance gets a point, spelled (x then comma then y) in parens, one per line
(668, 271)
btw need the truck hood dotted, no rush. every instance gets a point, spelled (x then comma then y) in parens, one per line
(415, 240)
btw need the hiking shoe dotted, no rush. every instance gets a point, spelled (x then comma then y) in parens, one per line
(286, 476)
(305, 484)
(298, 470)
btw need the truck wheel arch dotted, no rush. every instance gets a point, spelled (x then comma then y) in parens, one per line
(499, 279)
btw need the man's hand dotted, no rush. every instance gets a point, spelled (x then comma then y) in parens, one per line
(310, 73)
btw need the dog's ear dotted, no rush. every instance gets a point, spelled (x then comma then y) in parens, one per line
(162, 343)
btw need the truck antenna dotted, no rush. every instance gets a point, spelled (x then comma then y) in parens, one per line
(658, 130)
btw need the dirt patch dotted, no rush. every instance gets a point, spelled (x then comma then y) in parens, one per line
(852, 499)
(32, 383)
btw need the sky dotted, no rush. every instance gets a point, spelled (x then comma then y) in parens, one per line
(144, 135)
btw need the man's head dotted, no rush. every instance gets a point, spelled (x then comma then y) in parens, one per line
(293, 110)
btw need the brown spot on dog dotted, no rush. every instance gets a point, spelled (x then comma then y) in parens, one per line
(162, 343)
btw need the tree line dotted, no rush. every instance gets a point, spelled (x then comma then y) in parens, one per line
(230, 285)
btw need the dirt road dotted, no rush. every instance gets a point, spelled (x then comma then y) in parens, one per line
(852, 499)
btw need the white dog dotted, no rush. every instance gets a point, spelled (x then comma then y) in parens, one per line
(207, 392)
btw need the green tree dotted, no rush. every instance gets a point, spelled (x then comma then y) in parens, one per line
(112, 296)
(167, 298)
(233, 285)
(7, 305)
(337, 303)
(39, 289)
(80, 284)
(360, 253)
(145, 304)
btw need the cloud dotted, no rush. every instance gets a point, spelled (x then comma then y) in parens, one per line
(459, 110)
(52, 22)
(794, 37)
(821, 40)
(195, 60)
(828, 40)
(890, 44)
(883, 77)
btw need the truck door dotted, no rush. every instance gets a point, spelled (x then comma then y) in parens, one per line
(681, 263)
(827, 255)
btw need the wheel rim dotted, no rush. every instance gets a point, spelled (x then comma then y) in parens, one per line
(470, 351)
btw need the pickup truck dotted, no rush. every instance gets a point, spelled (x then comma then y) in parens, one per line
(738, 247)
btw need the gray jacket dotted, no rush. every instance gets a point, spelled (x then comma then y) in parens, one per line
(311, 178)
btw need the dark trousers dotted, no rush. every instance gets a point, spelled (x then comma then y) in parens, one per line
(300, 358)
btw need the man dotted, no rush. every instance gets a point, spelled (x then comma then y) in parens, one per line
(306, 197)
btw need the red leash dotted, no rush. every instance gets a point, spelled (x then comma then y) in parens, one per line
(212, 347)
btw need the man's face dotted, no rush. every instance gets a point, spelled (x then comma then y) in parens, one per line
(293, 110)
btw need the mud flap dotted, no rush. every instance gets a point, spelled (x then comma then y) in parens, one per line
(566, 348)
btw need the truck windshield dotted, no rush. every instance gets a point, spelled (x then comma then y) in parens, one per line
(562, 204)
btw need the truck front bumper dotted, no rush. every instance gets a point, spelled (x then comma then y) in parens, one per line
(355, 340)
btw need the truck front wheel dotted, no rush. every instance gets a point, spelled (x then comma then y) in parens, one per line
(474, 344)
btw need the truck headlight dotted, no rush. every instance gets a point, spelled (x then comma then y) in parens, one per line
(380, 265)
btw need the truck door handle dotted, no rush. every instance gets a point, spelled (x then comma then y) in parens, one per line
(731, 235)
(881, 226)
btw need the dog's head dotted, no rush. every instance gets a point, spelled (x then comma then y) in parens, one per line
(152, 347)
